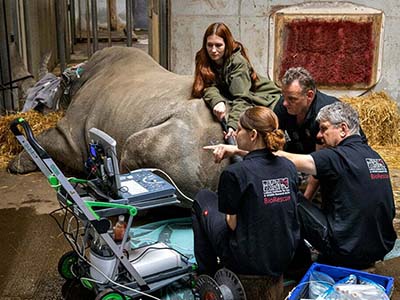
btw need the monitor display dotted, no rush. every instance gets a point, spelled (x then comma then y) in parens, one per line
(103, 149)
(136, 186)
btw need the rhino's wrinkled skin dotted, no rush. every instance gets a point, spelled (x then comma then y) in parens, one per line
(147, 110)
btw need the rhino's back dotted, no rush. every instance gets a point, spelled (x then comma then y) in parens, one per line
(125, 87)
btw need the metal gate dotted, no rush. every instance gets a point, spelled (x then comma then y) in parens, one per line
(32, 28)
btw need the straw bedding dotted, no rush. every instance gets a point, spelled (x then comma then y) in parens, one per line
(9, 146)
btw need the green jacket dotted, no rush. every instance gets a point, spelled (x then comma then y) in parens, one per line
(233, 84)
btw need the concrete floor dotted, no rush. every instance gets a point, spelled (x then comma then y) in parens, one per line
(31, 242)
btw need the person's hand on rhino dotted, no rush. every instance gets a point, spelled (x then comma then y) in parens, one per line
(219, 111)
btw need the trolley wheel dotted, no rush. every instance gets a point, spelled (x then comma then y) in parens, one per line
(207, 289)
(230, 284)
(67, 265)
(224, 286)
(110, 294)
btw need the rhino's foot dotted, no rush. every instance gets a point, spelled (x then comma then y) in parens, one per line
(22, 164)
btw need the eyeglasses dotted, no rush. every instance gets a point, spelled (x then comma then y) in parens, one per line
(324, 128)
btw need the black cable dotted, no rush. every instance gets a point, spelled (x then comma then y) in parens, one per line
(61, 225)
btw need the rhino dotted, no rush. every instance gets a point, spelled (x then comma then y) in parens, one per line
(147, 110)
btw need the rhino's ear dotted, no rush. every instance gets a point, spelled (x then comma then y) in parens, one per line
(44, 62)
(22, 164)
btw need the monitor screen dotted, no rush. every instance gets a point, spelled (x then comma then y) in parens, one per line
(103, 150)
(136, 186)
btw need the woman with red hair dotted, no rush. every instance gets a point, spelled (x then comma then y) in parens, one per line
(224, 75)
(250, 226)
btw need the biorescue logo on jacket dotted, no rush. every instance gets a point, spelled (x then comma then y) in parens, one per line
(276, 190)
(377, 168)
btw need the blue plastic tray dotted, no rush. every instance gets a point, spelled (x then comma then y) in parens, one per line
(337, 273)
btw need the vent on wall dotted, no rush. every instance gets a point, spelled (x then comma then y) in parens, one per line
(338, 42)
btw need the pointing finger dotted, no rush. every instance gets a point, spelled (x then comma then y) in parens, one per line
(210, 147)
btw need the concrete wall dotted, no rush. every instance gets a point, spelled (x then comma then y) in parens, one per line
(40, 33)
(249, 23)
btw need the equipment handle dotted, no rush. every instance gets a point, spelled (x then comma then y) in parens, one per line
(55, 183)
(90, 204)
(230, 140)
(224, 125)
(29, 135)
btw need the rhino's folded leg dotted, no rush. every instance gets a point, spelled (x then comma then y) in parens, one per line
(157, 146)
(22, 164)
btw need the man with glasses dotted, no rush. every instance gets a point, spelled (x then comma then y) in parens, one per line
(354, 227)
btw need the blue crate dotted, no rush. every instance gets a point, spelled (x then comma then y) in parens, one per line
(337, 273)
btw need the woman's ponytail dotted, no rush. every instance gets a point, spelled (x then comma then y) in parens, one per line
(275, 140)
(265, 121)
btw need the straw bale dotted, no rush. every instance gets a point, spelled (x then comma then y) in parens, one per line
(9, 146)
(379, 118)
(390, 155)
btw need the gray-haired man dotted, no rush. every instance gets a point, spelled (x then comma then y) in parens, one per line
(355, 225)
